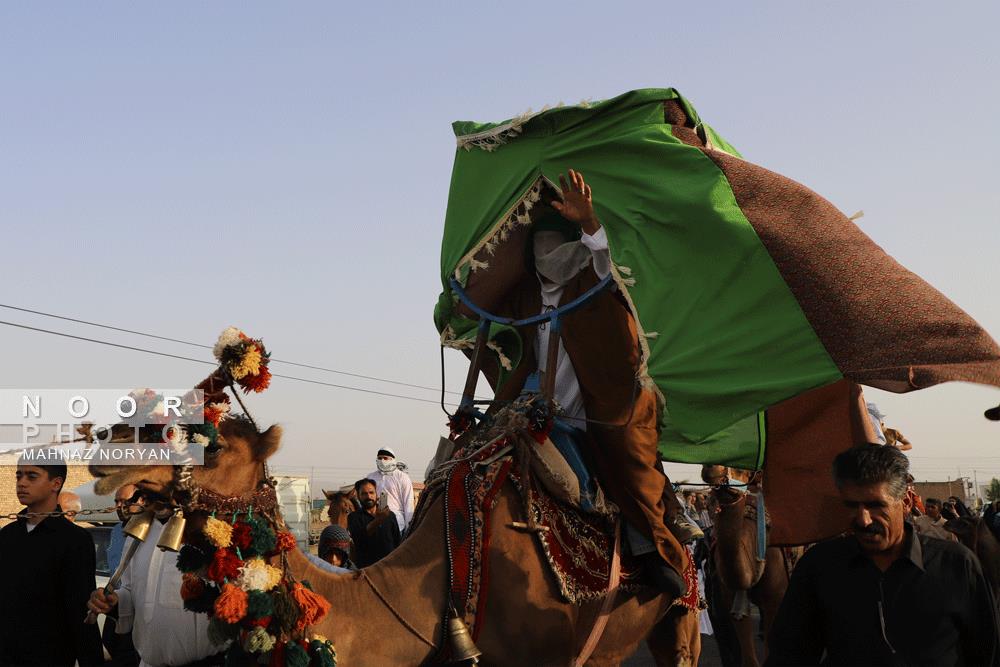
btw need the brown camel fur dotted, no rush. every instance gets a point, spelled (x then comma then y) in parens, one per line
(340, 507)
(737, 568)
(977, 536)
(411, 582)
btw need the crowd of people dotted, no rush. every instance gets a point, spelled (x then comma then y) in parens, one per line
(368, 520)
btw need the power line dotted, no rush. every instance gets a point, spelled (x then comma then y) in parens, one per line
(209, 347)
(210, 363)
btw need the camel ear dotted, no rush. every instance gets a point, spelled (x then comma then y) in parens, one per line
(267, 443)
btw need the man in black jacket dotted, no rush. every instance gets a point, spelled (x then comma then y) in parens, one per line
(374, 537)
(884, 595)
(48, 568)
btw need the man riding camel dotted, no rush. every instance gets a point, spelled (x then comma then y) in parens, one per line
(596, 377)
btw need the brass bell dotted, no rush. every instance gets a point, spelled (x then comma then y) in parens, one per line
(460, 641)
(138, 526)
(172, 536)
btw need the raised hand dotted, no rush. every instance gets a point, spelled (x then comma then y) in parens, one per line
(577, 205)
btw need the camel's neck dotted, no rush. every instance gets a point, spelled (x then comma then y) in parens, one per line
(364, 627)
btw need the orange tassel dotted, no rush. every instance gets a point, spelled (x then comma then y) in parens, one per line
(231, 606)
(312, 607)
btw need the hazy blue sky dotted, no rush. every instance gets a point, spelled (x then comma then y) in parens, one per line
(179, 168)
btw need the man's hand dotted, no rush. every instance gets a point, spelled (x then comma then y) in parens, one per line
(100, 603)
(380, 516)
(576, 205)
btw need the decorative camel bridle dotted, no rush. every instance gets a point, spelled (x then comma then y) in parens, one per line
(260, 609)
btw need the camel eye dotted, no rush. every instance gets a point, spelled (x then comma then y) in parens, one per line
(213, 448)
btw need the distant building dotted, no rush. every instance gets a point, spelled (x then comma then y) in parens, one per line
(943, 490)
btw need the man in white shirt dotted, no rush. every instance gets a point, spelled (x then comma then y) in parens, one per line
(149, 604)
(396, 484)
(932, 524)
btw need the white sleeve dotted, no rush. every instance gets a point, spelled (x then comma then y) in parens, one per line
(598, 246)
(407, 500)
(126, 606)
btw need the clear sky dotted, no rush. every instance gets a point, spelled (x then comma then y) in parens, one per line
(178, 168)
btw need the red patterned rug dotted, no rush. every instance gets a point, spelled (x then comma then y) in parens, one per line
(578, 546)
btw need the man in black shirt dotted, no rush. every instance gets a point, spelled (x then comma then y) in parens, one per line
(374, 537)
(884, 595)
(48, 573)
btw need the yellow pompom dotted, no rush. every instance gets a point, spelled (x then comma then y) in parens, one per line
(248, 365)
(218, 532)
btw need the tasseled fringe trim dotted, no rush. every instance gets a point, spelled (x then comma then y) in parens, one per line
(516, 215)
(448, 339)
(490, 140)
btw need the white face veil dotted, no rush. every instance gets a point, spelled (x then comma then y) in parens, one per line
(557, 259)
(386, 466)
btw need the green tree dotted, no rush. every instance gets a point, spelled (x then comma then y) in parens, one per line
(993, 490)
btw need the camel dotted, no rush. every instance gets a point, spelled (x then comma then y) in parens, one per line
(740, 575)
(340, 507)
(392, 612)
(977, 536)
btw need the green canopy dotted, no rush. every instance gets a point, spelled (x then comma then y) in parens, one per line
(739, 301)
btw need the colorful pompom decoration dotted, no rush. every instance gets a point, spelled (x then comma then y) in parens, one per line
(262, 539)
(204, 603)
(322, 651)
(295, 655)
(259, 604)
(241, 535)
(286, 542)
(258, 640)
(191, 559)
(257, 575)
(244, 358)
(219, 533)
(192, 586)
(225, 565)
(312, 607)
(231, 607)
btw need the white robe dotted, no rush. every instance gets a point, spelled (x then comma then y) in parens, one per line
(567, 387)
(150, 606)
(399, 489)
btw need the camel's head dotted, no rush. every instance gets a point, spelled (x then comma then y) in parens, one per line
(340, 505)
(720, 478)
(233, 464)
(965, 529)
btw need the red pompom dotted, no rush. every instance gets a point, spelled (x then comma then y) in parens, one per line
(225, 565)
(241, 534)
(256, 383)
(191, 586)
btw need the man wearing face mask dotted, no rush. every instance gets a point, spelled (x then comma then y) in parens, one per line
(852, 600)
(396, 484)
(601, 403)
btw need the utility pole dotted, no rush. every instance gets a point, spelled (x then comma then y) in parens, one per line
(975, 480)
